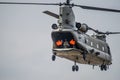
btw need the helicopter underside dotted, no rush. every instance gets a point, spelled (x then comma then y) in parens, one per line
(77, 56)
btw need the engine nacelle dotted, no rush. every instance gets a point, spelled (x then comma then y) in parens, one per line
(54, 26)
(78, 25)
(82, 27)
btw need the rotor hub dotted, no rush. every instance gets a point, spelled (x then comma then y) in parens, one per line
(67, 1)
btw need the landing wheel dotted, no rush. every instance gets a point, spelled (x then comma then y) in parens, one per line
(103, 67)
(53, 57)
(75, 67)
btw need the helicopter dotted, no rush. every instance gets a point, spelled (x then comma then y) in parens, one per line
(70, 38)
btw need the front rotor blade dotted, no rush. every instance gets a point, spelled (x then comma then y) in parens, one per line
(51, 14)
(97, 8)
(29, 3)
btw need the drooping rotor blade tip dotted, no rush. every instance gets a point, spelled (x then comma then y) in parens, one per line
(112, 33)
(100, 32)
(97, 8)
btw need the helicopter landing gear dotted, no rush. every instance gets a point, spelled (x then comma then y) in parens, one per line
(53, 57)
(84, 55)
(103, 67)
(75, 67)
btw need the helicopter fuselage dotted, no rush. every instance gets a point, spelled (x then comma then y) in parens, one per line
(70, 40)
(75, 45)
(81, 48)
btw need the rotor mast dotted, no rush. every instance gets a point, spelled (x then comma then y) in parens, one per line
(66, 16)
(67, 2)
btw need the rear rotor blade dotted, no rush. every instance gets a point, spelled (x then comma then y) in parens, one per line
(100, 32)
(96, 31)
(111, 33)
(29, 3)
(97, 8)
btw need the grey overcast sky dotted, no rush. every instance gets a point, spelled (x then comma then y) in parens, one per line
(25, 42)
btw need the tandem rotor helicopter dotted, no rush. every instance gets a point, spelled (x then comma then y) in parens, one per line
(70, 40)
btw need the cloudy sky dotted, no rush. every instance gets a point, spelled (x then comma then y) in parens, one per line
(25, 42)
